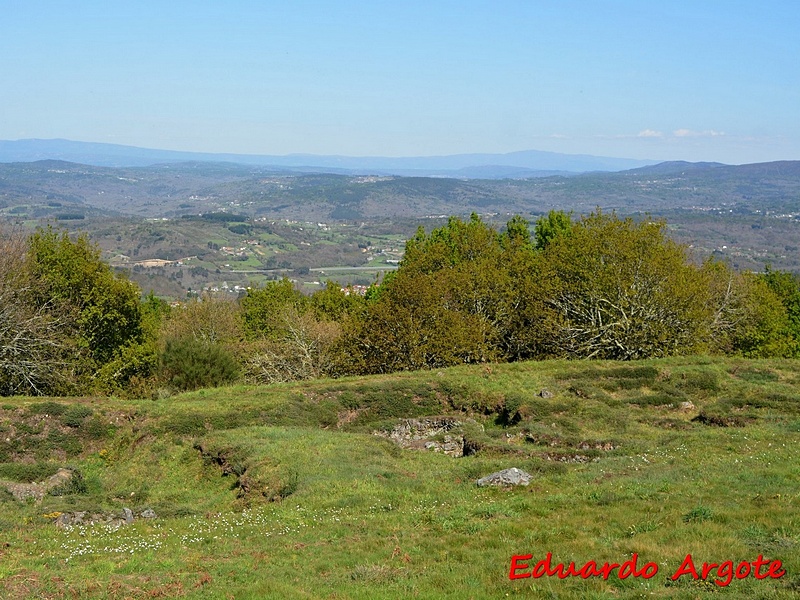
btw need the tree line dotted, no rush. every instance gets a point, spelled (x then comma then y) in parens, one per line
(599, 287)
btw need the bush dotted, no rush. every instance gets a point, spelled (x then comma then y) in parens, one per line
(74, 415)
(129, 371)
(27, 473)
(48, 408)
(190, 364)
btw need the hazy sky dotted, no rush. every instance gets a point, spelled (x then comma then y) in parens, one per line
(667, 79)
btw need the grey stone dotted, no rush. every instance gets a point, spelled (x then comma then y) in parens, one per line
(546, 394)
(127, 515)
(64, 520)
(61, 477)
(148, 513)
(512, 476)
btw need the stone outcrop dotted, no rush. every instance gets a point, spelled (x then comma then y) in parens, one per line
(37, 491)
(116, 519)
(436, 434)
(506, 478)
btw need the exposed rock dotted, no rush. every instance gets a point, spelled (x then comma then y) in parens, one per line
(546, 394)
(37, 491)
(605, 446)
(452, 446)
(567, 458)
(418, 434)
(63, 520)
(687, 406)
(417, 429)
(506, 477)
(61, 477)
(115, 519)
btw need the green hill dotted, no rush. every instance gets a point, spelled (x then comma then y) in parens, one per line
(302, 491)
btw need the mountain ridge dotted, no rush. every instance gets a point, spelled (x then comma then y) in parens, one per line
(41, 188)
(524, 163)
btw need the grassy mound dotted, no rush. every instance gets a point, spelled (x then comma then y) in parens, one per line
(285, 491)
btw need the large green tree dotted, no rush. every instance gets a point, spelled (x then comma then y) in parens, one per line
(102, 309)
(622, 290)
(455, 299)
(556, 223)
(749, 317)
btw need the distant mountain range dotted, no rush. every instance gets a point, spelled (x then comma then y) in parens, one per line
(513, 165)
(57, 189)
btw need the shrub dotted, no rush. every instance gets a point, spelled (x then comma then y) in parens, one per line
(27, 473)
(48, 408)
(129, 370)
(190, 364)
(75, 414)
(95, 428)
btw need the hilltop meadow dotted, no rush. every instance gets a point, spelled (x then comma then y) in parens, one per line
(283, 445)
(290, 491)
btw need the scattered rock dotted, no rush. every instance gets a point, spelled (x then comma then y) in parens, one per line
(148, 513)
(506, 477)
(567, 458)
(546, 394)
(687, 406)
(127, 515)
(605, 446)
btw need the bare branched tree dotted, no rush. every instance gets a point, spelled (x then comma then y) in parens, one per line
(302, 351)
(29, 335)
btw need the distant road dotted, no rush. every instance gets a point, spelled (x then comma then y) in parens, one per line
(317, 269)
(378, 268)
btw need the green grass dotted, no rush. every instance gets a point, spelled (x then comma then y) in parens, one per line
(284, 492)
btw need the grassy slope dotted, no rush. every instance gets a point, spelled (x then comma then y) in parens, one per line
(314, 506)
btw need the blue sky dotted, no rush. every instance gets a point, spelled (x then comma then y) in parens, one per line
(691, 80)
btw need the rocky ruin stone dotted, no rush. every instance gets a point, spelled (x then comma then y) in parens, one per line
(418, 434)
(37, 491)
(506, 477)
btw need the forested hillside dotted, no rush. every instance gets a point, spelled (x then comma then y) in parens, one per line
(52, 188)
